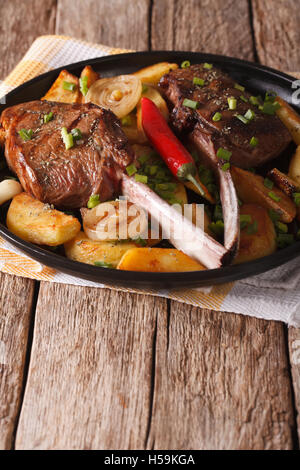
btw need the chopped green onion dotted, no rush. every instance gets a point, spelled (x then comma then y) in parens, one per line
(93, 201)
(140, 241)
(207, 66)
(226, 166)
(296, 197)
(141, 178)
(144, 88)
(283, 228)
(274, 215)
(153, 170)
(185, 64)
(126, 121)
(69, 86)
(269, 108)
(217, 227)
(76, 133)
(231, 103)
(103, 264)
(190, 103)
(198, 81)
(268, 183)
(270, 96)
(224, 154)
(245, 219)
(243, 98)
(254, 100)
(143, 158)
(274, 196)
(131, 169)
(284, 239)
(239, 87)
(165, 186)
(67, 138)
(242, 118)
(249, 115)
(48, 117)
(217, 117)
(25, 134)
(83, 84)
(252, 229)
(253, 141)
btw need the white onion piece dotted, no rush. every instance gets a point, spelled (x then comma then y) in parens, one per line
(105, 93)
(111, 222)
(9, 189)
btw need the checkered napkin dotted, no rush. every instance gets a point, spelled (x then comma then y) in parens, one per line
(274, 295)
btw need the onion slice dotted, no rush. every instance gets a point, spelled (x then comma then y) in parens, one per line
(119, 94)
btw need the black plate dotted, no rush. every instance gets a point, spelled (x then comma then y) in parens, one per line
(256, 78)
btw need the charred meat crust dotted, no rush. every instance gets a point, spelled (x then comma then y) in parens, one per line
(52, 174)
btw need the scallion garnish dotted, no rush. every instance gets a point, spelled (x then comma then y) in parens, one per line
(69, 86)
(126, 121)
(282, 228)
(217, 117)
(93, 201)
(67, 138)
(243, 98)
(254, 100)
(143, 158)
(268, 183)
(249, 115)
(207, 66)
(217, 227)
(76, 133)
(48, 117)
(253, 141)
(190, 103)
(131, 169)
(274, 215)
(226, 166)
(25, 134)
(224, 154)
(242, 118)
(252, 229)
(269, 108)
(185, 64)
(274, 196)
(141, 178)
(245, 219)
(83, 84)
(239, 87)
(270, 96)
(231, 103)
(103, 264)
(198, 81)
(296, 197)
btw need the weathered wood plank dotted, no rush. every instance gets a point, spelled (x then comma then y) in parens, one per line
(89, 383)
(221, 383)
(277, 34)
(294, 350)
(219, 26)
(21, 23)
(16, 296)
(113, 23)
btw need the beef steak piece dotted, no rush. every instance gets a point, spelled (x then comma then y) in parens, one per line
(52, 174)
(229, 132)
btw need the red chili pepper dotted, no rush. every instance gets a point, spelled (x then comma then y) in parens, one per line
(178, 159)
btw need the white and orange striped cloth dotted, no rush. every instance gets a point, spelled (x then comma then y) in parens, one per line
(274, 295)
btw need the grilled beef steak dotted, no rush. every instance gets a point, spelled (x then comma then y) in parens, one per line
(66, 178)
(229, 132)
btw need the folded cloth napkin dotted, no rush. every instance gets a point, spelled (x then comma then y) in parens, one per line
(274, 295)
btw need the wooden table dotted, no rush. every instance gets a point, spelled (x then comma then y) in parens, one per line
(90, 368)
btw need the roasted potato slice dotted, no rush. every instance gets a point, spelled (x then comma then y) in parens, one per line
(158, 260)
(259, 240)
(153, 73)
(283, 182)
(58, 93)
(290, 119)
(82, 249)
(134, 135)
(294, 168)
(251, 189)
(38, 223)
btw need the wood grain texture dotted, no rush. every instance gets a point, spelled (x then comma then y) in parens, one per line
(89, 384)
(219, 26)
(277, 33)
(21, 23)
(116, 23)
(294, 350)
(16, 296)
(221, 383)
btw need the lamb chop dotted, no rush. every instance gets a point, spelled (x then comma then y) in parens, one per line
(94, 165)
(210, 89)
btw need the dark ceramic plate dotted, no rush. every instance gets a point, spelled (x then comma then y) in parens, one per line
(256, 78)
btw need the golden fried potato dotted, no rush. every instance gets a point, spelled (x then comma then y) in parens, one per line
(251, 189)
(82, 249)
(290, 119)
(38, 223)
(134, 135)
(158, 260)
(58, 93)
(153, 73)
(283, 182)
(294, 168)
(262, 241)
